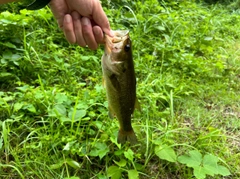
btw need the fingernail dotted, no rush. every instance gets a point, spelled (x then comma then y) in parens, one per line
(68, 18)
(97, 32)
(85, 21)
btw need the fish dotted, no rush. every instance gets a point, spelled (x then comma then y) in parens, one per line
(37, 4)
(120, 83)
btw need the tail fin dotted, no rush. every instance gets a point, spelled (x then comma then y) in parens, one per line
(124, 136)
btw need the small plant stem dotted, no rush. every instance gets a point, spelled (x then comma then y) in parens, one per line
(171, 107)
(74, 113)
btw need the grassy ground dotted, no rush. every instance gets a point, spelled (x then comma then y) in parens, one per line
(53, 109)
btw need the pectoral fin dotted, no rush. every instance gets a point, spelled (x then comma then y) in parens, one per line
(115, 82)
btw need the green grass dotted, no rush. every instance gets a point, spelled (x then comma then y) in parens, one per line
(53, 111)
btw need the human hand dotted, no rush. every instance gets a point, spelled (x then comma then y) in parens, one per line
(83, 21)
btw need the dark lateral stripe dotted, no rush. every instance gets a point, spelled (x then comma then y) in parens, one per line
(37, 4)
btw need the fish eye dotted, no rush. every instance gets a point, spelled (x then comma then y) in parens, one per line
(127, 48)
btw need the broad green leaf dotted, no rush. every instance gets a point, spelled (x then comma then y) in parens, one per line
(7, 55)
(18, 106)
(192, 160)
(161, 28)
(118, 152)
(5, 21)
(99, 124)
(77, 114)
(121, 163)
(165, 152)
(114, 140)
(23, 88)
(208, 38)
(15, 57)
(199, 172)
(30, 108)
(103, 152)
(1, 143)
(223, 171)
(8, 44)
(133, 174)
(210, 164)
(65, 119)
(5, 74)
(6, 14)
(129, 154)
(62, 98)
(87, 58)
(60, 109)
(114, 172)
(38, 95)
(100, 149)
(73, 163)
(101, 145)
(139, 166)
(68, 146)
(100, 176)
(8, 98)
(57, 165)
(82, 105)
(72, 177)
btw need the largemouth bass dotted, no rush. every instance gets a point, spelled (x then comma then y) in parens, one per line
(120, 82)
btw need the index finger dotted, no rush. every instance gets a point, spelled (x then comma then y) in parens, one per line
(59, 9)
(100, 18)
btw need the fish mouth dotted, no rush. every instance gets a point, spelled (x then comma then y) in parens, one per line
(120, 35)
(115, 44)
